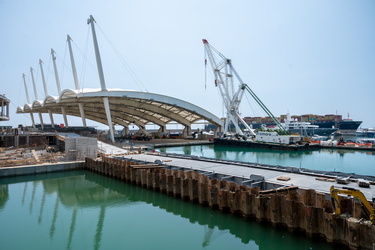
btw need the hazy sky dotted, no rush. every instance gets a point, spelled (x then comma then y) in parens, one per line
(302, 57)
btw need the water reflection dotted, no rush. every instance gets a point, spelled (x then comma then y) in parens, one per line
(54, 218)
(343, 160)
(86, 190)
(81, 192)
(4, 195)
(214, 221)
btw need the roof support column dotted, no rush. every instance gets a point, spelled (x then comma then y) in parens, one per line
(34, 86)
(41, 120)
(161, 130)
(186, 131)
(80, 105)
(82, 112)
(142, 130)
(36, 97)
(64, 116)
(97, 53)
(51, 118)
(125, 131)
(43, 78)
(32, 119)
(28, 99)
(27, 92)
(46, 91)
(56, 72)
(101, 77)
(109, 118)
(58, 85)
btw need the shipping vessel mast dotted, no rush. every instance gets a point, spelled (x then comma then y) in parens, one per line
(232, 92)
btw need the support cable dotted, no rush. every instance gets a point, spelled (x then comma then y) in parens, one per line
(63, 65)
(19, 93)
(48, 71)
(124, 62)
(261, 104)
(253, 108)
(85, 59)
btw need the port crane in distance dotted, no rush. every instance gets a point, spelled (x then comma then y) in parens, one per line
(334, 192)
(226, 78)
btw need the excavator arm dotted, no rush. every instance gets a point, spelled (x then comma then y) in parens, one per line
(352, 192)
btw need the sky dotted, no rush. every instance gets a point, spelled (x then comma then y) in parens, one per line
(301, 57)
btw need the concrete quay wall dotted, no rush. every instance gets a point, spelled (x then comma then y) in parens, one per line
(299, 210)
(41, 168)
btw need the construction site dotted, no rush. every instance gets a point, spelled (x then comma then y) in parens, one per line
(341, 217)
(286, 197)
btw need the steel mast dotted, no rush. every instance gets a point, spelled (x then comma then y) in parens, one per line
(91, 21)
(224, 71)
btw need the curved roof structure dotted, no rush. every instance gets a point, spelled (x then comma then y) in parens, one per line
(126, 107)
(116, 106)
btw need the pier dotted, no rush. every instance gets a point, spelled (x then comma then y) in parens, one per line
(254, 175)
(288, 197)
(297, 208)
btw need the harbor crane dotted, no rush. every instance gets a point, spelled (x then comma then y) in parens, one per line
(224, 73)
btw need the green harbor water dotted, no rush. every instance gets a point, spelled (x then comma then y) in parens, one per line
(84, 210)
(347, 161)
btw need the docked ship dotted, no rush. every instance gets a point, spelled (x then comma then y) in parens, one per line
(326, 123)
(318, 124)
(225, 77)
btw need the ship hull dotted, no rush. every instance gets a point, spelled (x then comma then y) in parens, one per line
(341, 125)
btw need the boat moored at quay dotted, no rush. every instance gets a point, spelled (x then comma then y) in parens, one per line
(284, 132)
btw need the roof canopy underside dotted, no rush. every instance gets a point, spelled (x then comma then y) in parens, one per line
(126, 107)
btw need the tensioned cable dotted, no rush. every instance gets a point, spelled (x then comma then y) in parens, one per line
(261, 104)
(253, 108)
(123, 61)
(37, 69)
(85, 59)
(19, 93)
(25, 114)
(48, 71)
(63, 65)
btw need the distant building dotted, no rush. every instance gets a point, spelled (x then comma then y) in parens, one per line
(4, 108)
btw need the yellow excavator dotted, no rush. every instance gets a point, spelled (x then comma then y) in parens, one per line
(367, 208)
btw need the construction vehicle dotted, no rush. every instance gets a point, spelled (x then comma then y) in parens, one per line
(366, 206)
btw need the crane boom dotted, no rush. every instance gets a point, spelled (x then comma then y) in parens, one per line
(224, 73)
